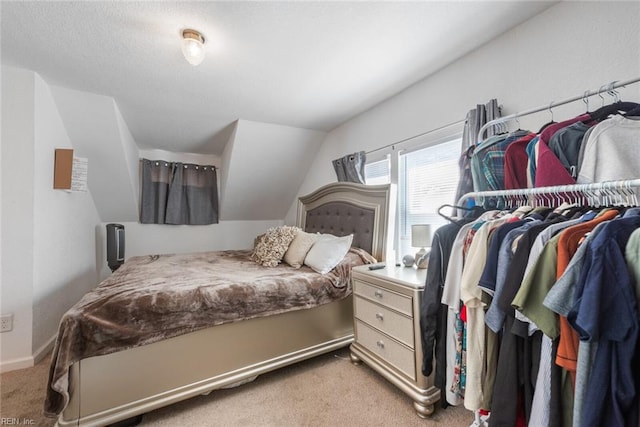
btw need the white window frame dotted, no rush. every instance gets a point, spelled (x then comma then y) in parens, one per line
(394, 152)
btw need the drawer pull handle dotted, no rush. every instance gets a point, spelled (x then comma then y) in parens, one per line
(380, 344)
(379, 316)
(378, 294)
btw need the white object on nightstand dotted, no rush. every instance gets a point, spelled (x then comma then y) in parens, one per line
(421, 238)
(387, 330)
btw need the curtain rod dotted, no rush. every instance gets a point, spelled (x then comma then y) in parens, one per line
(416, 136)
(609, 88)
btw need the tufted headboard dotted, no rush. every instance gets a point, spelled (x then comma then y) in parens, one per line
(346, 208)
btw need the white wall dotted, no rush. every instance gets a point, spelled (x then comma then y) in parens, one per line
(63, 222)
(17, 213)
(98, 132)
(145, 239)
(567, 49)
(263, 168)
(48, 261)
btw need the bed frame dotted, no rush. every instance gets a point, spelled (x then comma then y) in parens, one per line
(123, 385)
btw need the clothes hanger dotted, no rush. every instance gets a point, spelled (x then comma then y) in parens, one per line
(585, 99)
(476, 211)
(550, 122)
(517, 123)
(616, 107)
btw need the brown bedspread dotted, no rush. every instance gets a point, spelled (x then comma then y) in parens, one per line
(151, 298)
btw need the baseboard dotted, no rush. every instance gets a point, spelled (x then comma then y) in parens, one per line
(44, 350)
(15, 364)
(28, 362)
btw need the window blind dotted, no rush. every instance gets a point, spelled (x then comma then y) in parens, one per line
(377, 173)
(428, 179)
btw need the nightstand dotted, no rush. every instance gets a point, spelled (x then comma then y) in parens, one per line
(386, 307)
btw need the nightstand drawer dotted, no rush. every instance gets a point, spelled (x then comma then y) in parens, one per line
(391, 323)
(392, 352)
(383, 296)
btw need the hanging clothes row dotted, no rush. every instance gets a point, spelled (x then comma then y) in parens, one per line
(532, 313)
(499, 350)
(592, 147)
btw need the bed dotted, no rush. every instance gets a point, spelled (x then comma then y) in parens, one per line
(146, 374)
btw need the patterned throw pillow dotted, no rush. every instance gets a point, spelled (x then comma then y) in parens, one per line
(271, 248)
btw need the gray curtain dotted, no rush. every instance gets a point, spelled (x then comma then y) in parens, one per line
(350, 168)
(476, 118)
(178, 193)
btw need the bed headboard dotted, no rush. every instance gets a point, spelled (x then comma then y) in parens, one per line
(344, 208)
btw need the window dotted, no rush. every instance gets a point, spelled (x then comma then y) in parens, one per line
(376, 173)
(427, 179)
(178, 193)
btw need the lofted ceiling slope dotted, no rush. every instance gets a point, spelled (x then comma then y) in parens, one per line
(310, 65)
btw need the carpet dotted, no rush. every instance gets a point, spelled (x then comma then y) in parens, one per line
(327, 390)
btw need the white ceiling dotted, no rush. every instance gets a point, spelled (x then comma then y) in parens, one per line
(311, 65)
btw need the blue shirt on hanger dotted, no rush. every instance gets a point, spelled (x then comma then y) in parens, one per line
(605, 312)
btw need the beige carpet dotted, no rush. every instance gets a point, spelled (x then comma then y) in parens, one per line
(325, 391)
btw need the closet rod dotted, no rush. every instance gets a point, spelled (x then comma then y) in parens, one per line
(416, 136)
(606, 185)
(608, 87)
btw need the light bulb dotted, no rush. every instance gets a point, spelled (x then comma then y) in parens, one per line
(193, 46)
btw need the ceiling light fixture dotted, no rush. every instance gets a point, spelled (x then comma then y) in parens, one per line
(192, 46)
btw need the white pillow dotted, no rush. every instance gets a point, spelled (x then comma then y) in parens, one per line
(299, 248)
(327, 252)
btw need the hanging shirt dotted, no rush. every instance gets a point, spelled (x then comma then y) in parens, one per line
(488, 279)
(507, 288)
(487, 162)
(605, 311)
(494, 317)
(432, 322)
(545, 408)
(582, 146)
(566, 143)
(560, 299)
(451, 298)
(532, 155)
(567, 246)
(515, 163)
(472, 298)
(611, 152)
(550, 170)
(531, 294)
(632, 255)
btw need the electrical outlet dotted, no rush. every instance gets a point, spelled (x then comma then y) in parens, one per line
(6, 322)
